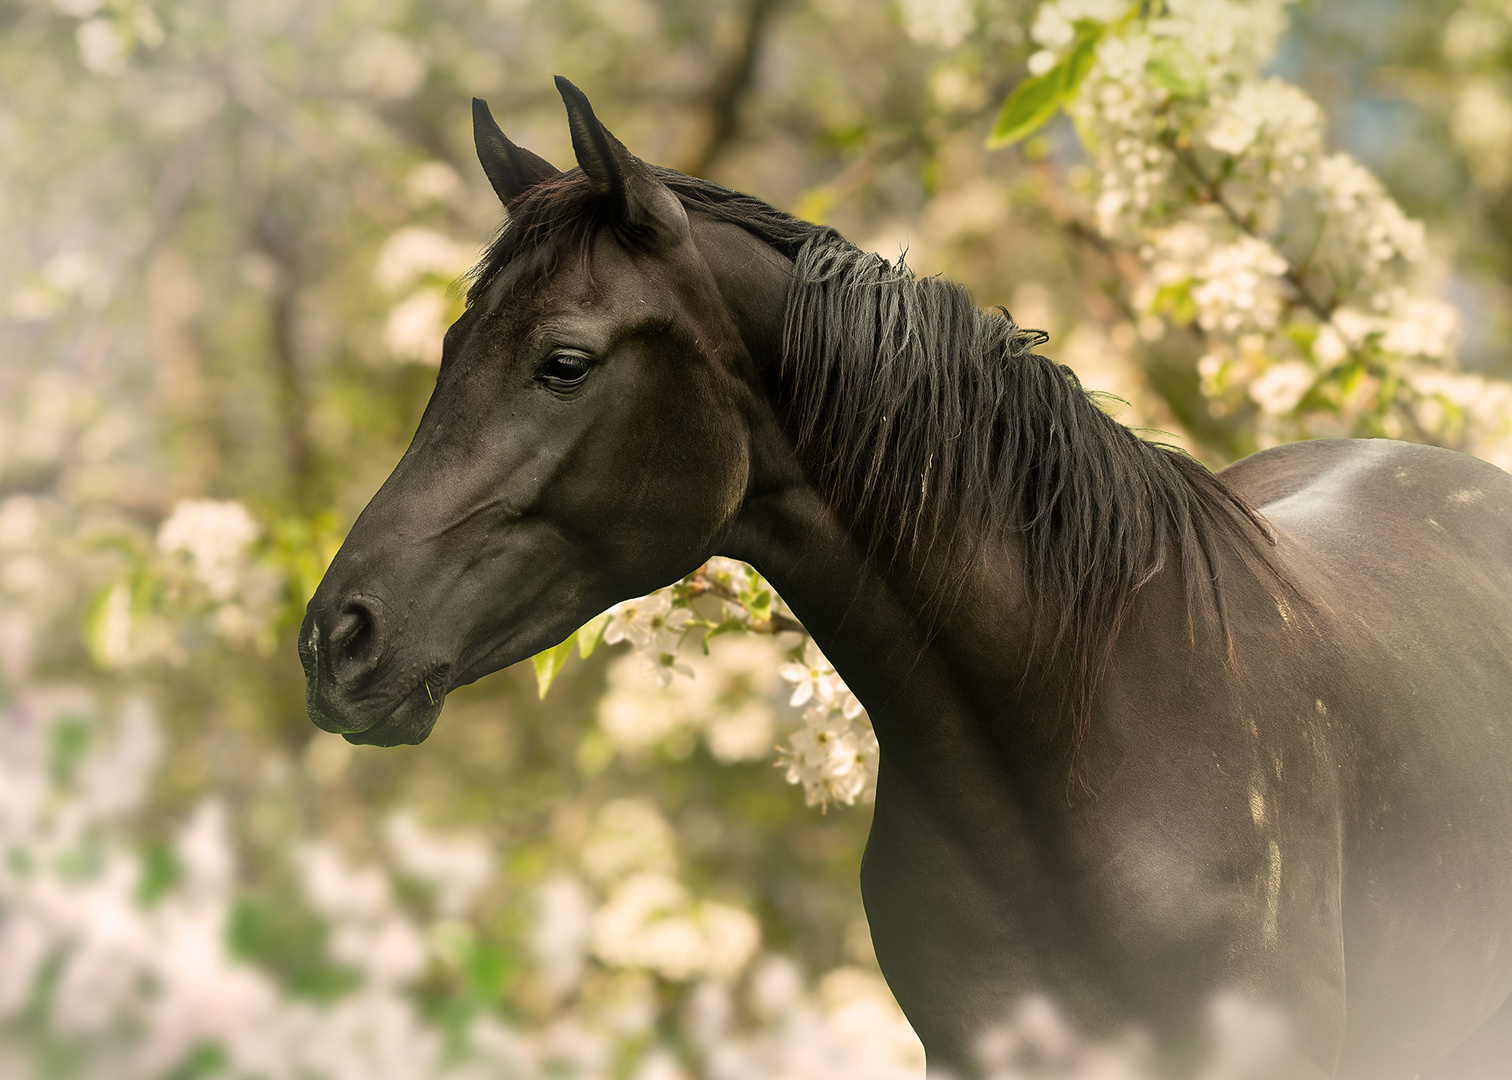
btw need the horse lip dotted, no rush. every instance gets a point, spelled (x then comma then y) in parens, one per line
(324, 712)
(408, 723)
(409, 720)
(388, 733)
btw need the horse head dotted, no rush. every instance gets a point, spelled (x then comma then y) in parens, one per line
(586, 441)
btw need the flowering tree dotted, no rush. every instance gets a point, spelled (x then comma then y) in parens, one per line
(235, 239)
(1302, 274)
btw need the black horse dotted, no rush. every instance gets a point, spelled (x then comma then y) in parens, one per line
(1148, 734)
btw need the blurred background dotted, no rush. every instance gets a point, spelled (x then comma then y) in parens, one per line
(230, 236)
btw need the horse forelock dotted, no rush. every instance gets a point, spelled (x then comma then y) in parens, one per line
(929, 421)
(556, 218)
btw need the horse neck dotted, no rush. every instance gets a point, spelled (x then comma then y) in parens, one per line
(916, 633)
(922, 642)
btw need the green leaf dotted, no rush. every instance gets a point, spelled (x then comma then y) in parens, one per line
(590, 634)
(1032, 103)
(160, 872)
(1081, 58)
(289, 940)
(547, 664)
(727, 626)
(1035, 100)
(71, 738)
(816, 203)
(1175, 70)
(490, 968)
(1176, 304)
(758, 603)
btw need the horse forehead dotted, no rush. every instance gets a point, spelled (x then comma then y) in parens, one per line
(604, 281)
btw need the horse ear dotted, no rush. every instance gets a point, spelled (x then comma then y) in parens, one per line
(511, 170)
(644, 202)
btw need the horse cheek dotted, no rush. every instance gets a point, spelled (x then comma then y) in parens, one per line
(717, 477)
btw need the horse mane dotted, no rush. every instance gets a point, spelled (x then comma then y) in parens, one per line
(933, 421)
(928, 420)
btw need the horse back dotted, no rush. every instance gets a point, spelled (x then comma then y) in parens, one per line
(1399, 619)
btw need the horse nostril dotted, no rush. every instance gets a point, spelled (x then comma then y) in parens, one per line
(354, 639)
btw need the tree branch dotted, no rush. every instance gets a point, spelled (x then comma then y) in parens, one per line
(1212, 188)
(730, 86)
(701, 584)
(292, 406)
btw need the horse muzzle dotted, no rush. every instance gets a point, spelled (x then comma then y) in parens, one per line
(352, 685)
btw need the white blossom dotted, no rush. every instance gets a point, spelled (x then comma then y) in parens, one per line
(834, 758)
(628, 835)
(1281, 387)
(383, 66)
(1284, 121)
(1237, 286)
(816, 680)
(25, 945)
(655, 628)
(651, 921)
(727, 698)
(1365, 216)
(834, 754)
(1482, 126)
(740, 734)
(1421, 326)
(650, 623)
(559, 940)
(432, 181)
(116, 779)
(206, 859)
(942, 24)
(1054, 23)
(390, 951)
(215, 535)
(103, 46)
(415, 252)
(336, 889)
(415, 329)
(1473, 34)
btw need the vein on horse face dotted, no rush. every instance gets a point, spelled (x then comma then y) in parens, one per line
(468, 516)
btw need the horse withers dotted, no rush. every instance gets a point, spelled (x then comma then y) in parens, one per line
(1150, 737)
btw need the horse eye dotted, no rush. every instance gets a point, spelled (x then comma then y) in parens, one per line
(563, 370)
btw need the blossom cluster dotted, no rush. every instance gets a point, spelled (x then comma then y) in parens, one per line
(129, 957)
(834, 755)
(654, 627)
(1308, 284)
(727, 699)
(729, 691)
(202, 576)
(940, 24)
(420, 265)
(649, 919)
